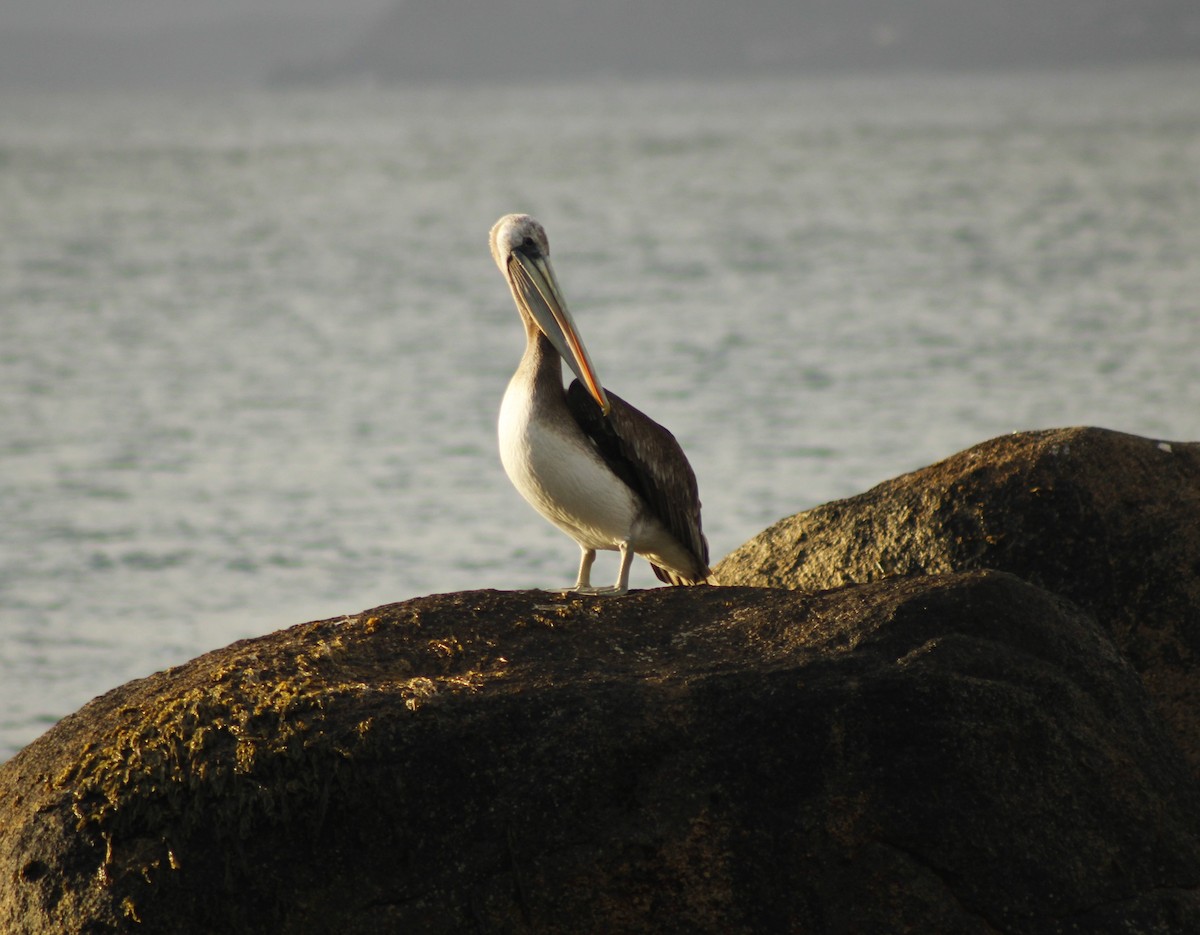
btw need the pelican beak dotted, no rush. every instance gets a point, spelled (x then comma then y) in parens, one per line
(536, 288)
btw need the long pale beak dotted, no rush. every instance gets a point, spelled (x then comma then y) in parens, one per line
(536, 288)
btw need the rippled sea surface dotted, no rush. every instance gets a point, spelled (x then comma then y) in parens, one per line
(252, 347)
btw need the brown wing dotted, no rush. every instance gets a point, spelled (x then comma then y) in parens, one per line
(648, 458)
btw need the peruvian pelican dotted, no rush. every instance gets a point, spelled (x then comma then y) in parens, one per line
(601, 471)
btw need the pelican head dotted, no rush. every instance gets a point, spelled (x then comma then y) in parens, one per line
(522, 251)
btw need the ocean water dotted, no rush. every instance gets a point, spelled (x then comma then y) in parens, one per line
(252, 347)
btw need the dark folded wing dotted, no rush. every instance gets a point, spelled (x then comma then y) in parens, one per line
(647, 458)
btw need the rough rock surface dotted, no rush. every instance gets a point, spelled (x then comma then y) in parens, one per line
(960, 753)
(1109, 520)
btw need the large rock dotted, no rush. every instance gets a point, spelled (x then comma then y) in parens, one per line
(1111, 521)
(960, 753)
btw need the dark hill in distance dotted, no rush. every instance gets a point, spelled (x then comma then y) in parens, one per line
(459, 40)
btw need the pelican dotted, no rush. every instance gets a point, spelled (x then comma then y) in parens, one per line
(604, 473)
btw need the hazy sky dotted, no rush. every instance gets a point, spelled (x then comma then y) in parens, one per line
(123, 15)
(68, 44)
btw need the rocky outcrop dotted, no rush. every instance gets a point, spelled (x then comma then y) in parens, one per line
(1111, 521)
(959, 753)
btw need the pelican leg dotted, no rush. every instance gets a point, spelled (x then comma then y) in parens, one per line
(584, 581)
(584, 584)
(622, 585)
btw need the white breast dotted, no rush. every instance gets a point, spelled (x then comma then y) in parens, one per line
(557, 470)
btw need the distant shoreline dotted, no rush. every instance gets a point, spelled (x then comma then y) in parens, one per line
(456, 42)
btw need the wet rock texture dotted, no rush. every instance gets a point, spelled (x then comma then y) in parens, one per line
(935, 751)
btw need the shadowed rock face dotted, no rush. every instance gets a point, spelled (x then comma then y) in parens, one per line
(955, 753)
(1111, 521)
